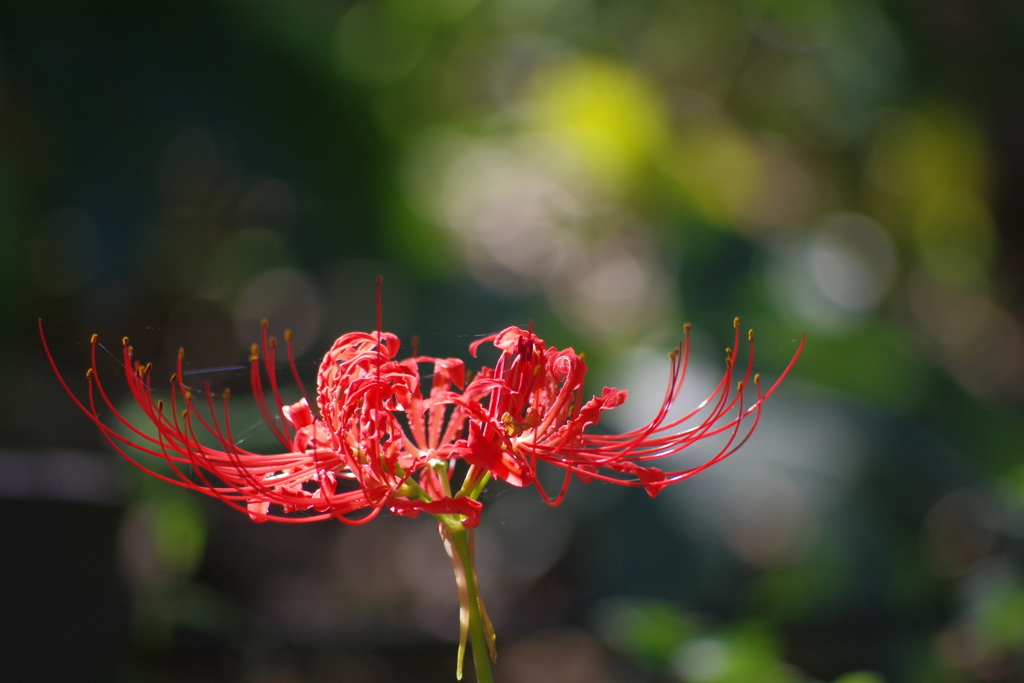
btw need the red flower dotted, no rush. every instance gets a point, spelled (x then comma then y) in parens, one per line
(355, 456)
(379, 443)
(534, 413)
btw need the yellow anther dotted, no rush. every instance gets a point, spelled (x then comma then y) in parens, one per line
(88, 373)
(160, 406)
(739, 386)
(227, 394)
(124, 341)
(736, 323)
(264, 323)
(184, 414)
(93, 338)
(510, 428)
(757, 378)
(145, 370)
(686, 328)
(254, 351)
(728, 352)
(131, 350)
(750, 335)
(174, 378)
(273, 343)
(514, 427)
(288, 336)
(188, 396)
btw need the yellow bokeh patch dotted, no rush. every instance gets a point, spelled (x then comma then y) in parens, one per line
(934, 167)
(605, 113)
(719, 170)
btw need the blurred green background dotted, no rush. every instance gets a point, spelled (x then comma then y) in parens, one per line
(608, 169)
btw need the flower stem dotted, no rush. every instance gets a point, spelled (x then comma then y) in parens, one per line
(481, 635)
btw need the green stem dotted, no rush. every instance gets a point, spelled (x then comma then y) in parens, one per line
(477, 633)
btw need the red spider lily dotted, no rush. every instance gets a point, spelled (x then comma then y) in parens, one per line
(358, 439)
(535, 413)
(379, 443)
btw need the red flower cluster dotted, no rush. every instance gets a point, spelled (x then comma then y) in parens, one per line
(378, 442)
